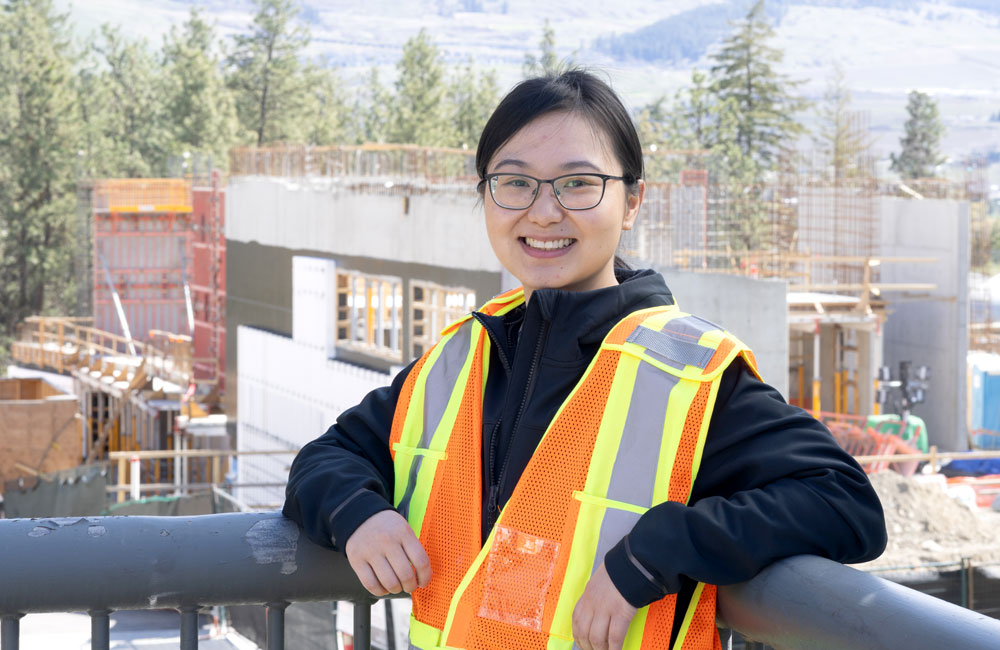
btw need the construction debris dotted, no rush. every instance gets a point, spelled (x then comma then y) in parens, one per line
(927, 525)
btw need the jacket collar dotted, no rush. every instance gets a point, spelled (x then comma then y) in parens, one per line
(578, 320)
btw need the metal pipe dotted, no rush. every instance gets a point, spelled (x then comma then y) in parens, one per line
(811, 602)
(100, 629)
(362, 625)
(83, 563)
(115, 563)
(10, 629)
(276, 626)
(189, 628)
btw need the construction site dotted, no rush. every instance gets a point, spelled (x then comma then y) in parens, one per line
(234, 317)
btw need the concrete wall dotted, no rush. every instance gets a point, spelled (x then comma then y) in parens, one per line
(930, 329)
(756, 311)
(437, 228)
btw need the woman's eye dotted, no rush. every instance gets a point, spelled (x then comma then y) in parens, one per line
(514, 182)
(578, 182)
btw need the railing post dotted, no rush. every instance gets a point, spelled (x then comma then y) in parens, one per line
(189, 628)
(100, 629)
(10, 629)
(276, 625)
(362, 625)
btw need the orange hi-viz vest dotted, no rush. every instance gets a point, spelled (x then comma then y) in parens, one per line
(629, 436)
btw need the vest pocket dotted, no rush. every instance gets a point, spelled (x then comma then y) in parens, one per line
(519, 570)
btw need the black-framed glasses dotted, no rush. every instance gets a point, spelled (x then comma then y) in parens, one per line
(573, 191)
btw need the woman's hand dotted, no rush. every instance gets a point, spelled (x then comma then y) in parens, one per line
(602, 615)
(386, 556)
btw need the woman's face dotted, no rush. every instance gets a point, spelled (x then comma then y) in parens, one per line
(546, 245)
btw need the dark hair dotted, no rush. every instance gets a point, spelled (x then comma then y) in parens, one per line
(574, 90)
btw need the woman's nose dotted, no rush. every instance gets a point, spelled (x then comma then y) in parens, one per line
(546, 208)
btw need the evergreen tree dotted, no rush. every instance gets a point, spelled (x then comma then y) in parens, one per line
(327, 116)
(921, 138)
(38, 158)
(744, 71)
(419, 105)
(842, 135)
(473, 97)
(547, 62)
(134, 120)
(96, 107)
(373, 107)
(266, 75)
(200, 113)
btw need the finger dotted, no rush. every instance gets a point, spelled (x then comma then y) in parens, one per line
(385, 574)
(599, 631)
(617, 629)
(369, 581)
(581, 625)
(418, 558)
(402, 568)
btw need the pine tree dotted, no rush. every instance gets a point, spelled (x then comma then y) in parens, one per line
(266, 75)
(38, 158)
(921, 138)
(473, 97)
(842, 135)
(419, 105)
(133, 121)
(327, 116)
(373, 107)
(200, 113)
(744, 71)
(547, 62)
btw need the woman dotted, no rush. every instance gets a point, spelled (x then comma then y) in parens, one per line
(578, 461)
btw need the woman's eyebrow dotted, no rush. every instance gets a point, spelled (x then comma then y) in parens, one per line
(573, 164)
(581, 163)
(512, 161)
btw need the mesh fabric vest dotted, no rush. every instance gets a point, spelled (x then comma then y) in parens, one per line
(628, 437)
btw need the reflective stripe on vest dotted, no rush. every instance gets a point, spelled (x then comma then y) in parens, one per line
(629, 436)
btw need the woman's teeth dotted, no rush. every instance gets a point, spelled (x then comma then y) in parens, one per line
(551, 244)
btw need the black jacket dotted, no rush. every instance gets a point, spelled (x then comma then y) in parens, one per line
(772, 482)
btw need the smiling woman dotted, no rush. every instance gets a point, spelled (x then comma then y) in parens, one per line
(578, 463)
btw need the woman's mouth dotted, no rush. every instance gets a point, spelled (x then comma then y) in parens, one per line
(546, 248)
(547, 244)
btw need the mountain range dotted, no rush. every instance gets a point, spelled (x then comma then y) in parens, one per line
(948, 48)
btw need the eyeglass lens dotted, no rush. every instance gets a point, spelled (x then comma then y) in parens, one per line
(577, 192)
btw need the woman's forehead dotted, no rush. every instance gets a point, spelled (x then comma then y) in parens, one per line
(559, 139)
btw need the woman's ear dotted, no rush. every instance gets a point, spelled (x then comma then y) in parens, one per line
(632, 202)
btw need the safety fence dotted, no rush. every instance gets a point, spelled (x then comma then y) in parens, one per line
(104, 564)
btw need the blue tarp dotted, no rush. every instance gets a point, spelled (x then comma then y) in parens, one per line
(972, 467)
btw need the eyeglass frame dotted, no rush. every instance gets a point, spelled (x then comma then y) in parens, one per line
(490, 178)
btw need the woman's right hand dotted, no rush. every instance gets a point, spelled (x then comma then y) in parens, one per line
(386, 556)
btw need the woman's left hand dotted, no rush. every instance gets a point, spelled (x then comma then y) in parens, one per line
(602, 615)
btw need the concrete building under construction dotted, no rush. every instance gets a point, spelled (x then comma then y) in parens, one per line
(348, 260)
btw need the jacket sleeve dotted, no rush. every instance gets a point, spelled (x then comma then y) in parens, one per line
(772, 483)
(345, 476)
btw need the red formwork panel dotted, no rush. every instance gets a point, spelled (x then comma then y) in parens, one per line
(142, 246)
(152, 237)
(208, 279)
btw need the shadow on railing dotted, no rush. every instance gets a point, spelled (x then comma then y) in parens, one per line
(103, 564)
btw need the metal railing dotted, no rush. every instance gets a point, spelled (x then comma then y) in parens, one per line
(103, 564)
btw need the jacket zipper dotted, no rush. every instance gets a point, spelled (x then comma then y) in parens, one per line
(493, 503)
